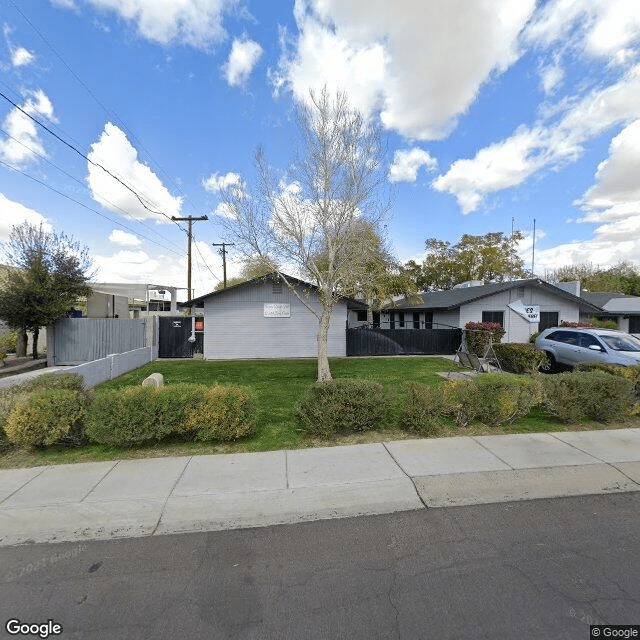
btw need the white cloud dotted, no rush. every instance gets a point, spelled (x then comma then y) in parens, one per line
(25, 144)
(115, 153)
(21, 57)
(613, 202)
(242, 59)
(197, 23)
(14, 213)
(551, 77)
(125, 239)
(216, 182)
(410, 59)
(407, 163)
(600, 29)
(510, 162)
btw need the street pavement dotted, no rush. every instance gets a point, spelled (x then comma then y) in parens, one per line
(150, 497)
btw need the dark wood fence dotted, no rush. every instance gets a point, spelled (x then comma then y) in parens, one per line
(391, 342)
(174, 338)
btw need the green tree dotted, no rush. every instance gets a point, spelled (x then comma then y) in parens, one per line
(252, 267)
(492, 257)
(308, 217)
(623, 277)
(49, 274)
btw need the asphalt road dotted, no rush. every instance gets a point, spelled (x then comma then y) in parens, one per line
(537, 569)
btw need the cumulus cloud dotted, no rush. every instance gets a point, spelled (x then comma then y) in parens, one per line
(510, 162)
(243, 57)
(24, 143)
(21, 57)
(14, 213)
(613, 202)
(115, 153)
(124, 239)
(599, 29)
(407, 163)
(197, 23)
(410, 59)
(216, 182)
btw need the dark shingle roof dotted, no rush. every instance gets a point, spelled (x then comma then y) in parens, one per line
(454, 298)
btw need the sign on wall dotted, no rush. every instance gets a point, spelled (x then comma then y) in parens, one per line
(277, 310)
(530, 312)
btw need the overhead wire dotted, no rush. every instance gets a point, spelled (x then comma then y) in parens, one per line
(66, 173)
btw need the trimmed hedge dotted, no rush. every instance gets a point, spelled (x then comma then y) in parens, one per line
(223, 414)
(343, 405)
(478, 336)
(9, 396)
(519, 358)
(45, 417)
(424, 410)
(139, 415)
(588, 395)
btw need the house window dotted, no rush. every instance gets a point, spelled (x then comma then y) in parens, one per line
(392, 321)
(362, 316)
(428, 320)
(401, 319)
(634, 324)
(276, 289)
(548, 319)
(376, 319)
(416, 320)
(493, 316)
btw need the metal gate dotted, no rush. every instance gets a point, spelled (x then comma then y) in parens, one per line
(174, 333)
(391, 342)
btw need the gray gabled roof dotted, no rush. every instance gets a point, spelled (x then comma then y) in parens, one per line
(270, 277)
(614, 303)
(455, 298)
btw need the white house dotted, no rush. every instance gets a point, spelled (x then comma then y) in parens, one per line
(522, 307)
(263, 318)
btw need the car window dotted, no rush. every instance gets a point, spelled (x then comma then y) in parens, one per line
(568, 337)
(621, 343)
(586, 340)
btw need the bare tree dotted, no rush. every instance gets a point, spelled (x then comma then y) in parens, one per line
(309, 218)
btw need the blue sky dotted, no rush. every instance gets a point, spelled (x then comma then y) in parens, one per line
(496, 112)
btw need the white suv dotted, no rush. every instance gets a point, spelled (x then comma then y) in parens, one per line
(568, 347)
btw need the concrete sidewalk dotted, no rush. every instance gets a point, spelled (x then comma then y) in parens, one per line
(102, 500)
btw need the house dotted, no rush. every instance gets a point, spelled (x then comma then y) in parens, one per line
(522, 307)
(263, 318)
(623, 309)
(131, 300)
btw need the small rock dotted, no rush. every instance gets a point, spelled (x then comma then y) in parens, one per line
(154, 380)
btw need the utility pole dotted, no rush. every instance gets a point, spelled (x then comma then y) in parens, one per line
(190, 220)
(223, 252)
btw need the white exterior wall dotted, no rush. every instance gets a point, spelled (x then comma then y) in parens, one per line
(517, 328)
(444, 319)
(235, 326)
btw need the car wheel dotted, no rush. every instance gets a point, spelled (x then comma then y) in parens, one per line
(550, 366)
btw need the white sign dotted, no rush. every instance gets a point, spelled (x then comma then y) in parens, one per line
(530, 312)
(277, 310)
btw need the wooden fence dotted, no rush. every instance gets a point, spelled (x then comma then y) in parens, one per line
(389, 342)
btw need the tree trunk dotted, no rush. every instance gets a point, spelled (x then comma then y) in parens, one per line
(34, 347)
(21, 347)
(324, 373)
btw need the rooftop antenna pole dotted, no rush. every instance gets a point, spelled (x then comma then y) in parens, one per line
(533, 249)
(223, 252)
(190, 220)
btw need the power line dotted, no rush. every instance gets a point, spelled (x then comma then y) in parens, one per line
(82, 155)
(102, 215)
(115, 206)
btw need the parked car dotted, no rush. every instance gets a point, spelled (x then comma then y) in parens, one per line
(568, 347)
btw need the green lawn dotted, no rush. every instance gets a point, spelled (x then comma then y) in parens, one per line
(278, 386)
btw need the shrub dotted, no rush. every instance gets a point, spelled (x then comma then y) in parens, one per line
(504, 398)
(140, 414)
(492, 399)
(533, 336)
(9, 396)
(577, 325)
(424, 409)
(46, 417)
(519, 358)
(629, 373)
(604, 324)
(223, 414)
(593, 395)
(478, 336)
(8, 342)
(342, 406)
